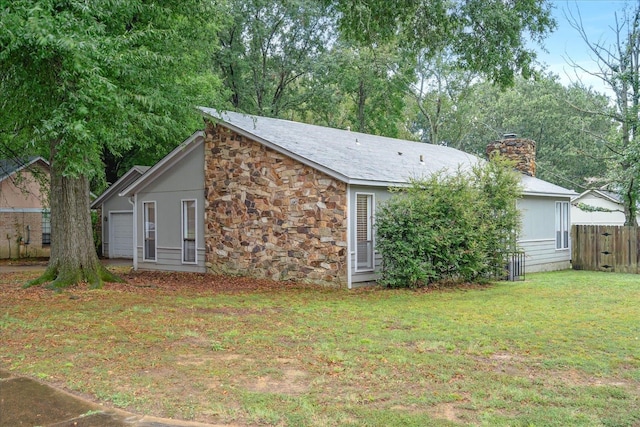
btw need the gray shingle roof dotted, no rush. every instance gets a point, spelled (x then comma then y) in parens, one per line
(125, 180)
(10, 166)
(359, 158)
(537, 187)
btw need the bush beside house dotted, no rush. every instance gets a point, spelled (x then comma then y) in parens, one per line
(456, 226)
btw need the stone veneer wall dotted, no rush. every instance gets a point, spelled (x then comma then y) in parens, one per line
(268, 215)
(520, 150)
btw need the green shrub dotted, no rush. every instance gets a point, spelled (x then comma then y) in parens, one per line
(449, 226)
(97, 237)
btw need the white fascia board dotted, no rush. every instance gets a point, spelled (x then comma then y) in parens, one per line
(379, 184)
(115, 186)
(533, 193)
(606, 197)
(349, 243)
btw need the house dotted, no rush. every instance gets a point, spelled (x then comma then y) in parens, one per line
(545, 234)
(168, 211)
(25, 222)
(116, 216)
(597, 207)
(285, 200)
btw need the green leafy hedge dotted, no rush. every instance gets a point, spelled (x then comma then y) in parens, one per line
(449, 226)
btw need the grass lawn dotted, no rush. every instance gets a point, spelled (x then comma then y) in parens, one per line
(560, 349)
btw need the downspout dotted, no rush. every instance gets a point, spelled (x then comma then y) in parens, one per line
(569, 226)
(134, 202)
(349, 272)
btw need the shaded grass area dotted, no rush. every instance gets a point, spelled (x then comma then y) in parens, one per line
(561, 348)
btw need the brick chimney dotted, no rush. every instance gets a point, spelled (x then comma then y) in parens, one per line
(520, 150)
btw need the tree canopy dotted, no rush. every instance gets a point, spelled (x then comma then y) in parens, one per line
(105, 73)
(79, 78)
(487, 36)
(115, 82)
(450, 226)
(618, 65)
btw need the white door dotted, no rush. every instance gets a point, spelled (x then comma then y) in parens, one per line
(121, 235)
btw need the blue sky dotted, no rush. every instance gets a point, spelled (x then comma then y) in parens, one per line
(598, 16)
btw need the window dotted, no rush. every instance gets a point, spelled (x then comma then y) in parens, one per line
(189, 231)
(562, 225)
(149, 249)
(46, 227)
(364, 232)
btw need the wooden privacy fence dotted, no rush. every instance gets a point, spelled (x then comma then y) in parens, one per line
(605, 248)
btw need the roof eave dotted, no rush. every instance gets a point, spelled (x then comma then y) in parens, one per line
(373, 183)
(598, 193)
(547, 194)
(115, 187)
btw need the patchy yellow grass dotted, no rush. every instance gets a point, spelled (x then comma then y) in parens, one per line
(559, 349)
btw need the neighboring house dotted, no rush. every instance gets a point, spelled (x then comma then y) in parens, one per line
(286, 200)
(599, 207)
(116, 216)
(25, 221)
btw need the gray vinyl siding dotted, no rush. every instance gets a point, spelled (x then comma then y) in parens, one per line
(536, 239)
(537, 236)
(380, 195)
(170, 259)
(541, 255)
(185, 181)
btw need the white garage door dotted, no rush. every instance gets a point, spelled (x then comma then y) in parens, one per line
(121, 235)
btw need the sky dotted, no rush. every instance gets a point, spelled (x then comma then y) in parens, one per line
(598, 18)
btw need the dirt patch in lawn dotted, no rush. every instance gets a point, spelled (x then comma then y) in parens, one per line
(292, 382)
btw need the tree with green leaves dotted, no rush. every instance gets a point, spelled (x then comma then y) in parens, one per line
(79, 77)
(269, 53)
(370, 84)
(618, 66)
(286, 59)
(438, 109)
(449, 226)
(569, 144)
(487, 36)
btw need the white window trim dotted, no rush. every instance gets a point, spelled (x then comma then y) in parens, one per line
(195, 225)
(144, 230)
(369, 231)
(559, 223)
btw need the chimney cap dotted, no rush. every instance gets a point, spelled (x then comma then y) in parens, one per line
(509, 135)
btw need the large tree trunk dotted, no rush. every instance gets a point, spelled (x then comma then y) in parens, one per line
(629, 203)
(73, 255)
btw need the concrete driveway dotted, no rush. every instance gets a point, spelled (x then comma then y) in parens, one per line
(27, 402)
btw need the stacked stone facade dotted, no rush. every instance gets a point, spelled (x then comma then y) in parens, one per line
(268, 215)
(520, 150)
